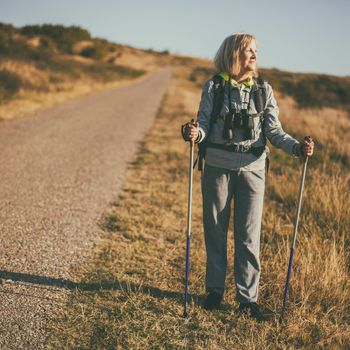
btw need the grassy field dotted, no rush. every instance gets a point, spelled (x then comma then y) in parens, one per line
(131, 290)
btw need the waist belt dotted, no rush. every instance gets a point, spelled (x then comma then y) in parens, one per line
(257, 151)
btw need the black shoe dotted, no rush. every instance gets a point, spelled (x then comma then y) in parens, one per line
(254, 311)
(212, 301)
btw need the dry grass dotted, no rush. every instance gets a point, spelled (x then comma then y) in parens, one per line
(28, 72)
(329, 127)
(29, 101)
(40, 70)
(132, 285)
(45, 88)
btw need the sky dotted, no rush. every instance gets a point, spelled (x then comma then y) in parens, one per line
(297, 35)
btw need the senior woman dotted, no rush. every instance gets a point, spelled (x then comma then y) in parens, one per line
(235, 161)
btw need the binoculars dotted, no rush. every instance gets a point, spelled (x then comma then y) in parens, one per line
(238, 120)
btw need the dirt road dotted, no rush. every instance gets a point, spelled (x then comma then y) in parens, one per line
(60, 168)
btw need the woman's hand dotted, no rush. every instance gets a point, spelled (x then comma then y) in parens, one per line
(307, 147)
(190, 131)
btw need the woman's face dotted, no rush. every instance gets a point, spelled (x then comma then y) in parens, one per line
(249, 57)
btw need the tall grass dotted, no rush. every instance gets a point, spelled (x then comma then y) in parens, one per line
(139, 261)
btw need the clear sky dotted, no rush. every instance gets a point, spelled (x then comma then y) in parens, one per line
(293, 35)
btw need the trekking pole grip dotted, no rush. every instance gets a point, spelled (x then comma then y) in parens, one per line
(309, 139)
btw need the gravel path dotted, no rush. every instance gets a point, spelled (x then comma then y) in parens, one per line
(60, 169)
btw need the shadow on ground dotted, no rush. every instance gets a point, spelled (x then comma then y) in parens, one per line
(92, 286)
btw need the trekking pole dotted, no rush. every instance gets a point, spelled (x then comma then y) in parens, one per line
(301, 189)
(188, 234)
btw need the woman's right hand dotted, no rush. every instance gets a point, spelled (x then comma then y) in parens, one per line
(305, 148)
(190, 131)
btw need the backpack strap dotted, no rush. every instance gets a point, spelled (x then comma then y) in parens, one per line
(218, 101)
(260, 102)
(219, 93)
(260, 95)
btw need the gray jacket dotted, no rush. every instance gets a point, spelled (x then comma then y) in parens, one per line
(240, 100)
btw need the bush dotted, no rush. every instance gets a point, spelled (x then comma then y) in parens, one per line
(63, 37)
(99, 49)
(7, 29)
(96, 52)
(10, 83)
(47, 44)
(18, 49)
(89, 52)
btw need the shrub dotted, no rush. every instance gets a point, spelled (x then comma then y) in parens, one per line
(99, 49)
(63, 37)
(10, 83)
(17, 48)
(7, 29)
(89, 52)
(47, 44)
(96, 52)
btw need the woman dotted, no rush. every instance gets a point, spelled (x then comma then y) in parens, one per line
(235, 167)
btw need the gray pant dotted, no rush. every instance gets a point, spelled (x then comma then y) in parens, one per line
(219, 186)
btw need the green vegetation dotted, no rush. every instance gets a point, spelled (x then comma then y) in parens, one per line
(99, 49)
(164, 52)
(10, 84)
(12, 47)
(63, 37)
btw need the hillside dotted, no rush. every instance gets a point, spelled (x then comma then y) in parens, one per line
(44, 64)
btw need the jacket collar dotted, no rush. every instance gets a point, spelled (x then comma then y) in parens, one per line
(247, 83)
